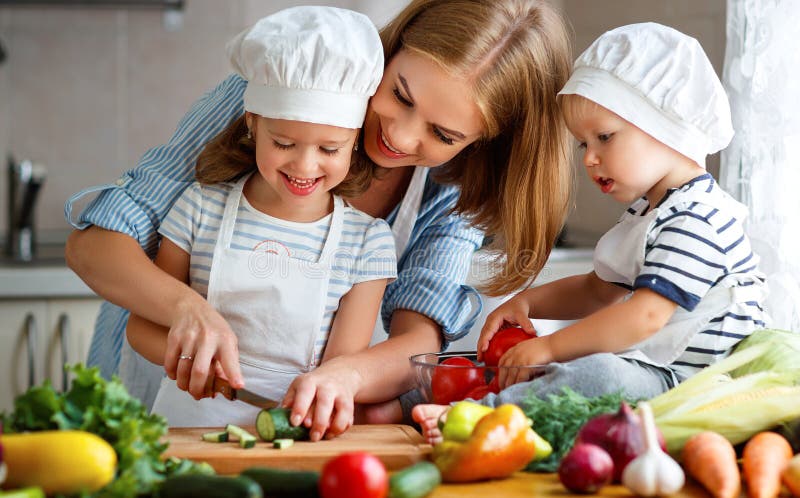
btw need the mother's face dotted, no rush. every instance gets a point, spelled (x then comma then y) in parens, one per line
(420, 115)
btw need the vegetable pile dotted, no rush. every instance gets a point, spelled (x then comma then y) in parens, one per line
(558, 418)
(104, 408)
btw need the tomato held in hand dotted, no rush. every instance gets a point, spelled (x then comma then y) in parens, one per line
(452, 380)
(502, 341)
(354, 475)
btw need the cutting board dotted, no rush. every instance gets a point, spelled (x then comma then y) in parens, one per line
(397, 446)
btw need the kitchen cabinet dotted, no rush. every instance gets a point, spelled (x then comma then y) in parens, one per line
(38, 337)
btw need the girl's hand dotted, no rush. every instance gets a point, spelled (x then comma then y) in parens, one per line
(322, 399)
(201, 333)
(534, 351)
(515, 311)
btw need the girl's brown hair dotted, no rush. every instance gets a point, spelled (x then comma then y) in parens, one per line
(232, 153)
(515, 182)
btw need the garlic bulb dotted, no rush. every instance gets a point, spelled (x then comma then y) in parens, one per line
(653, 473)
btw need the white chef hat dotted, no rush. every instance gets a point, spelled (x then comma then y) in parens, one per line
(660, 80)
(314, 64)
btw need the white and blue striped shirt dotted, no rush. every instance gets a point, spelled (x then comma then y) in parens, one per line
(691, 248)
(430, 273)
(365, 251)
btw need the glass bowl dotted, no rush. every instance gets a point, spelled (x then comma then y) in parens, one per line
(442, 379)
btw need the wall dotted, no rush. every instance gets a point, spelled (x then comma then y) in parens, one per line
(86, 91)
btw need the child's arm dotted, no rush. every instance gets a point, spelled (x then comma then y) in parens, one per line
(608, 330)
(567, 298)
(148, 338)
(351, 332)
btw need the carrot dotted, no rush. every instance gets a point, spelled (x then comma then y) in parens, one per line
(763, 459)
(711, 460)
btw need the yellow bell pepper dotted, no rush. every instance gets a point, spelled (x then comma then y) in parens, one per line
(501, 444)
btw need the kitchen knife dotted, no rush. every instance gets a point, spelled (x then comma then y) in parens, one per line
(221, 386)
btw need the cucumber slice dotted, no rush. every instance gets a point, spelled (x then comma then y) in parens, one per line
(274, 424)
(246, 440)
(282, 443)
(216, 437)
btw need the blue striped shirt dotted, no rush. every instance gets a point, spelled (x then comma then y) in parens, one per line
(691, 248)
(430, 273)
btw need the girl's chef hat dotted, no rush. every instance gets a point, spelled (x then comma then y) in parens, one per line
(660, 80)
(314, 64)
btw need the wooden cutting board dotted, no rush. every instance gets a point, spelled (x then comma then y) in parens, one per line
(397, 446)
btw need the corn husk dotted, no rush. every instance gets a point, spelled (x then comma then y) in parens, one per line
(752, 390)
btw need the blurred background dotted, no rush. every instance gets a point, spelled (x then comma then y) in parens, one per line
(86, 87)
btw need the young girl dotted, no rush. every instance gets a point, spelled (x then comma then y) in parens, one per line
(675, 284)
(264, 234)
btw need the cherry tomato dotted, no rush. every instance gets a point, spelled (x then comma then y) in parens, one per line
(354, 475)
(502, 341)
(452, 384)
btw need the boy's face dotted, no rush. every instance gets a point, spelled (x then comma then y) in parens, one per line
(622, 160)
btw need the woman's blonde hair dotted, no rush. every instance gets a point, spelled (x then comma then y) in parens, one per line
(232, 153)
(515, 182)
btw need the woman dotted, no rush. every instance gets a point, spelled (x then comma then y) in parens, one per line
(469, 89)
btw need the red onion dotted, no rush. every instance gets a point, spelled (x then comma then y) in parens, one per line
(585, 469)
(620, 434)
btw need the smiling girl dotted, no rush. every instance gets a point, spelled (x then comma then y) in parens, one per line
(296, 272)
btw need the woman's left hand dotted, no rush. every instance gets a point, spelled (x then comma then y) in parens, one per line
(322, 399)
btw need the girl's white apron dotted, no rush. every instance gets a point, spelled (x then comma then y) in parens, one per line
(275, 305)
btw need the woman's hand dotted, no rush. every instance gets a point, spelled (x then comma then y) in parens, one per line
(322, 399)
(201, 333)
(515, 311)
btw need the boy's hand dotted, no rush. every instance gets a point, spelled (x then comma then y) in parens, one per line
(515, 311)
(534, 351)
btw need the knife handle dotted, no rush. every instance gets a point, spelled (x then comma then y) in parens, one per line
(221, 386)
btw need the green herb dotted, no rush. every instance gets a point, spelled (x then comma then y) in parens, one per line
(558, 418)
(105, 408)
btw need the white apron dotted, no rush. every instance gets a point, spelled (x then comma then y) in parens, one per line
(619, 257)
(402, 227)
(274, 304)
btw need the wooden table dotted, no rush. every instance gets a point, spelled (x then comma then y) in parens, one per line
(527, 485)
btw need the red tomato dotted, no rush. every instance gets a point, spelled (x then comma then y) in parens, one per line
(354, 475)
(453, 384)
(478, 392)
(501, 342)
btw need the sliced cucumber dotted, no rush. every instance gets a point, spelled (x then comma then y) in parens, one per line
(216, 437)
(246, 440)
(282, 443)
(285, 483)
(274, 424)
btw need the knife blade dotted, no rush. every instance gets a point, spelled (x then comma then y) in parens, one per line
(224, 388)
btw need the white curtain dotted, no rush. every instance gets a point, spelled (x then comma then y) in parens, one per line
(761, 167)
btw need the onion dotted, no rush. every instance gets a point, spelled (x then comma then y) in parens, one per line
(620, 434)
(585, 469)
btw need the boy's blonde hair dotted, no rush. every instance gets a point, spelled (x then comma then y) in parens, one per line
(515, 182)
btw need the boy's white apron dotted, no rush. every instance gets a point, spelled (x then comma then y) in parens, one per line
(619, 257)
(275, 305)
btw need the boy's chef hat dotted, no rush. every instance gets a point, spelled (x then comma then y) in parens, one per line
(314, 64)
(660, 80)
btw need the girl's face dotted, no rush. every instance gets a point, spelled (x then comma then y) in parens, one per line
(622, 160)
(420, 115)
(299, 163)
